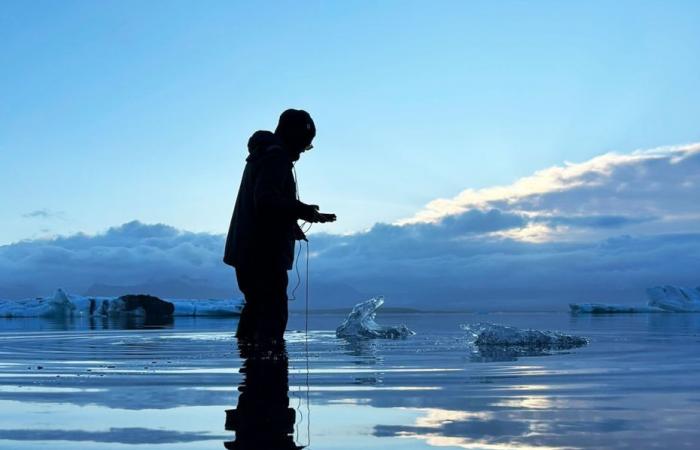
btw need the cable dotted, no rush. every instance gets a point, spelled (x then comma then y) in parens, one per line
(296, 262)
(296, 269)
(306, 316)
(306, 347)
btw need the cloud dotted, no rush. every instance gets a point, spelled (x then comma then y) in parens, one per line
(43, 214)
(639, 187)
(602, 230)
(157, 257)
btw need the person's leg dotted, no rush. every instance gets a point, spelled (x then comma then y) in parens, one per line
(282, 302)
(247, 285)
(273, 320)
(264, 315)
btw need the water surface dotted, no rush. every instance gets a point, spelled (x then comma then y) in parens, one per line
(116, 385)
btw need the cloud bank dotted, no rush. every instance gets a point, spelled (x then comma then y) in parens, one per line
(601, 230)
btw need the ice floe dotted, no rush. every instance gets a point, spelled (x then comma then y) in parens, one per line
(600, 308)
(360, 323)
(69, 305)
(494, 335)
(676, 299)
(661, 299)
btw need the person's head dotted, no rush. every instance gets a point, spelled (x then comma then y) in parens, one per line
(297, 130)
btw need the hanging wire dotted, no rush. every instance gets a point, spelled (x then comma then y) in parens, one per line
(306, 347)
(306, 324)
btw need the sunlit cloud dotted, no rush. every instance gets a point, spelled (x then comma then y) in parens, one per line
(606, 191)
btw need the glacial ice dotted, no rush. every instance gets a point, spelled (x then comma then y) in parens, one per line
(676, 299)
(600, 308)
(661, 299)
(493, 335)
(360, 323)
(69, 305)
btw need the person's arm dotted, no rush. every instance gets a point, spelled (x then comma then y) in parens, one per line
(268, 194)
(269, 198)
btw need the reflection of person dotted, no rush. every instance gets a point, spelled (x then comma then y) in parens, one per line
(262, 419)
(260, 241)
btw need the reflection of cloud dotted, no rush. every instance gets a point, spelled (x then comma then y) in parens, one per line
(113, 435)
(466, 429)
(527, 402)
(435, 417)
(446, 441)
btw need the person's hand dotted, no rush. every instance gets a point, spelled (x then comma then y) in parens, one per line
(311, 214)
(319, 217)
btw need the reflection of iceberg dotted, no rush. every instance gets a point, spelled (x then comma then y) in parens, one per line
(496, 342)
(65, 305)
(360, 323)
(661, 299)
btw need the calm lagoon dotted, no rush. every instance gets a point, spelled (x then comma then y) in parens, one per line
(114, 385)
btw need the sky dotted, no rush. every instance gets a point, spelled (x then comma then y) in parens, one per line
(130, 119)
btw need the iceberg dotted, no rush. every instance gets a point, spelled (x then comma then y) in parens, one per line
(661, 299)
(490, 342)
(59, 305)
(67, 305)
(209, 308)
(360, 323)
(600, 308)
(493, 335)
(675, 299)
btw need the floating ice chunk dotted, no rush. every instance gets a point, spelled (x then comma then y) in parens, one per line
(211, 307)
(661, 299)
(66, 305)
(57, 306)
(676, 299)
(599, 308)
(360, 323)
(492, 335)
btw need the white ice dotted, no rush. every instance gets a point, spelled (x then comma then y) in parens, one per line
(360, 323)
(600, 308)
(676, 299)
(69, 305)
(661, 299)
(210, 307)
(489, 334)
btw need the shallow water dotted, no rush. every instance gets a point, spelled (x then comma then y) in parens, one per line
(82, 384)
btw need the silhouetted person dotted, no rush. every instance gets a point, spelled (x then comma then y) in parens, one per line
(262, 419)
(260, 241)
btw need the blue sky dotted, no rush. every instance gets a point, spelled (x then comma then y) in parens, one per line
(114, 111)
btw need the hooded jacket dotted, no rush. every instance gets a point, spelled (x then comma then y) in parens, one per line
(264, 223)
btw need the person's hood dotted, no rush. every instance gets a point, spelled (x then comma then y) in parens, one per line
(260, 142)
